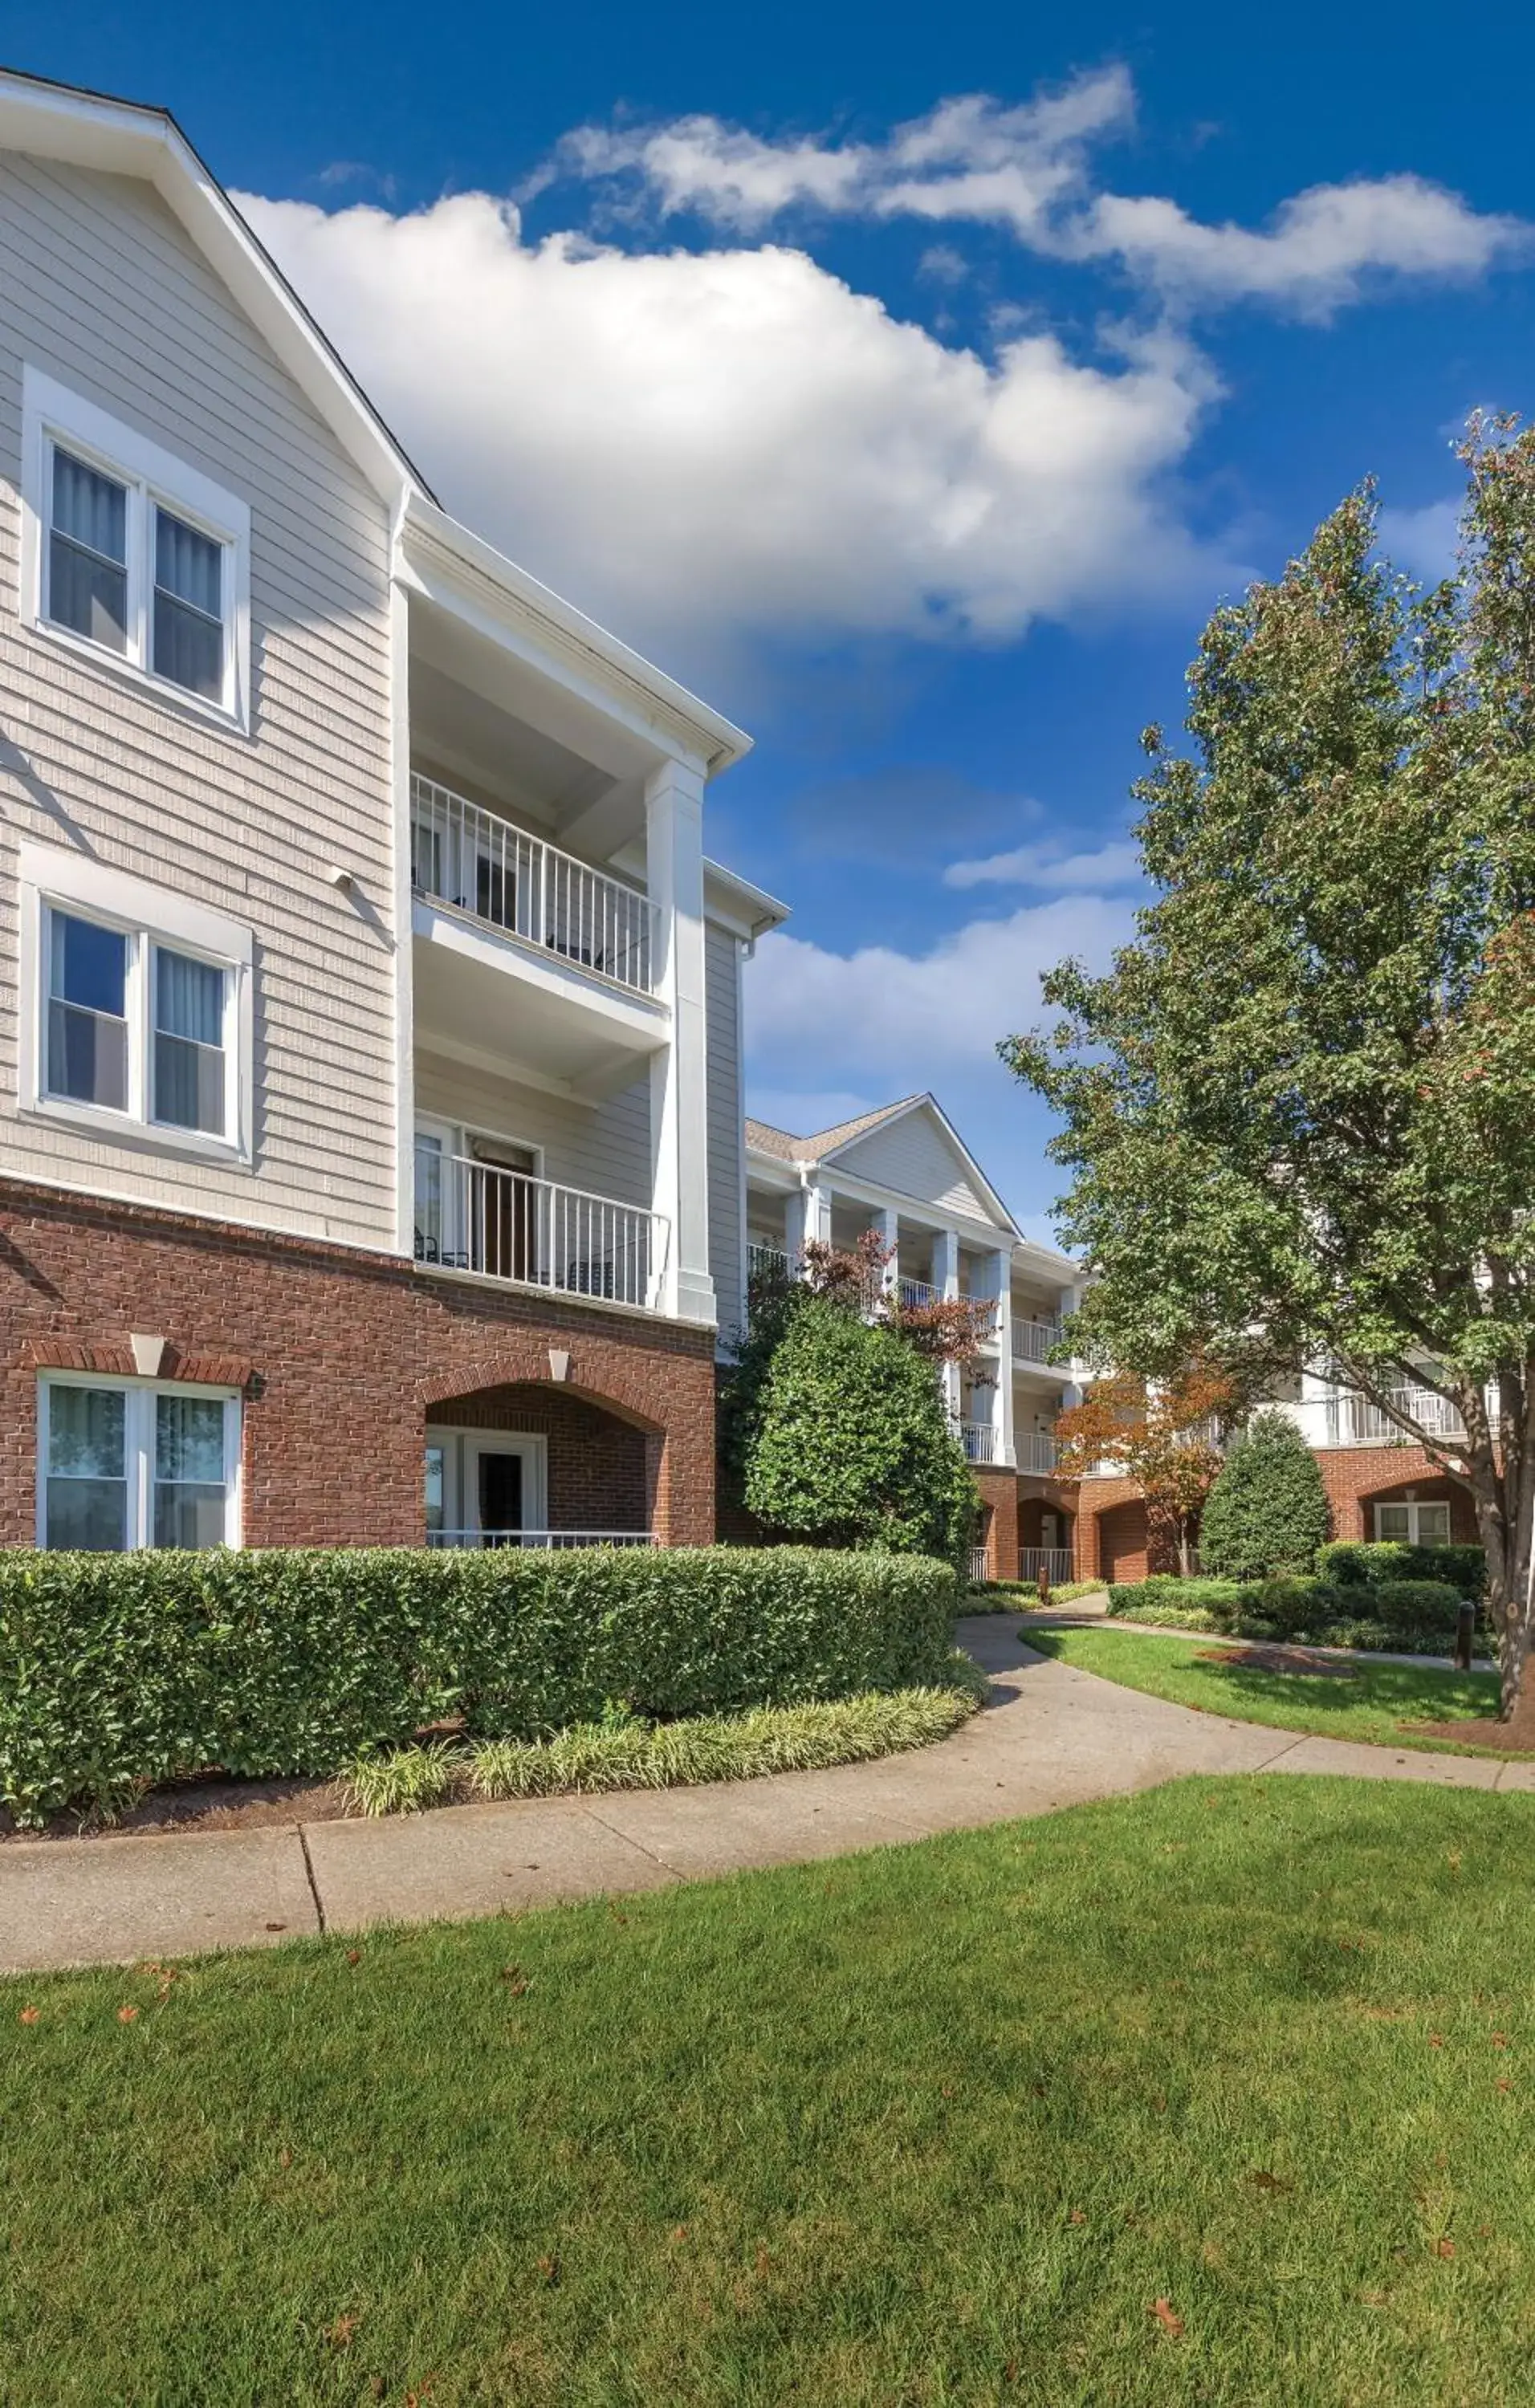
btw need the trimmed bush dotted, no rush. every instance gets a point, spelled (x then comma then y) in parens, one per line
(850, 1445)
(1354, 1564)
(1165, 1596)
(1267, 1510)
(125, 1671)
(1401, 1617)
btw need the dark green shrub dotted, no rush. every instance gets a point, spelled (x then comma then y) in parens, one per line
(850, 1444)
(1354, 1564)
(145, 1667)
(1167, 1597)
(1267, 1510)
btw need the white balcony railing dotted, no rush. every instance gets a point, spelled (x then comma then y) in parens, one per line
(979, 1439)
(1054, 1562)
(541, 1539)
(766, 1262)
(1035, 1450)
(1033, 1340)
(914, 1292)
(505, 1225)
(515, 882)
(1353, 1421)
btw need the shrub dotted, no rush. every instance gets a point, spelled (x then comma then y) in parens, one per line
(1267, 1510)
(640, 1755)
(1167, 1597)
(137, 1669)
(1353, 1564)
(850, 1445)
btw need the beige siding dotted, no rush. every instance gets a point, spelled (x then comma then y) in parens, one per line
(603, 1147)
(727, 1126)
(101, 290)
(914, 1158)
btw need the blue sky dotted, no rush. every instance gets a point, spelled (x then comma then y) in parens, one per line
(912, 383)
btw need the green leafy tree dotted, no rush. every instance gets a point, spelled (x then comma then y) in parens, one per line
(1299, 1109)
(1268, 1510)
(844, 1441)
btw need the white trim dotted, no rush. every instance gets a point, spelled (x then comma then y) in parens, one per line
(49, 877)
(138, 1448)
(1414, 1508)
(462, 1449)
(405, 951)
(54, 417)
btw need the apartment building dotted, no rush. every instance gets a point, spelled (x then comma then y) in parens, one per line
(905, 1172)
(370, 1090)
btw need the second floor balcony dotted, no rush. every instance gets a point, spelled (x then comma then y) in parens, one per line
(1034, 1341)
(505, 1225)
(524, 952)
(1353, 1421)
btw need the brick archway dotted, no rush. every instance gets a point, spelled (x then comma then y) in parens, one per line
(527, 1365)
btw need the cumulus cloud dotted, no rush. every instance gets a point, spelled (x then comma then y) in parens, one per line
(1048, 866)
(1423, 541)
(736, 440)
(876, 1015)
(1027, 168)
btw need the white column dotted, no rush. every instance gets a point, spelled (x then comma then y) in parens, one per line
(888, 1225)
(674, 873)
(1002, 1408)
(807, 1217)
(946, 1281)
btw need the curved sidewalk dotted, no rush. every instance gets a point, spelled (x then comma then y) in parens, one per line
(1051, 1737)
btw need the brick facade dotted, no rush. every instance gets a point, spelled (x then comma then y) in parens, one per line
(1111, 1540)
(342, 1358)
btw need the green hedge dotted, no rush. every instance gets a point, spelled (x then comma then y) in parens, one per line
(1352, 1564)
(137, 1668)
(1398, 1616)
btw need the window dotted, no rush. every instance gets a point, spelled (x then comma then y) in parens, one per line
(132, 554)
(124, 1464)
(141, 1001)
(1416, 1526)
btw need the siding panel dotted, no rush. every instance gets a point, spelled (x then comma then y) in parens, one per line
(101, 289)
(915, 1158)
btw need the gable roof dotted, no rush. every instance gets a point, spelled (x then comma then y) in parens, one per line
(767, 1140)
(828, 1143)
(123, 138)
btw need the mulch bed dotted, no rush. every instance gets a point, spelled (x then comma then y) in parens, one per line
(1487, 1733)
(1268, 1656)
(210, 1805)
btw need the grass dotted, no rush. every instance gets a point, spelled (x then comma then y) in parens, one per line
(933, 2126)
(1372, 1703)
(632, 1753)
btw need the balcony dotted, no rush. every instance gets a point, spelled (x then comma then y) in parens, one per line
(526, 953)
(1033, 1341)
(541, 1539)
(766, 1262)
(1353, 1421)
(1035, 1452)
(505, 1225)
(979, 1441)
(916, 1293)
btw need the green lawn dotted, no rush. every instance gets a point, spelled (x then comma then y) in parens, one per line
(1372, 1703)
(941, 2125)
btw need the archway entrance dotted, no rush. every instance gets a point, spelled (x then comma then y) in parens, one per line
(533, 1465)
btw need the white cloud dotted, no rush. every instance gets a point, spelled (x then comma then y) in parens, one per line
(1317, 252)
(1423, 540)
(1046, 866)
(1026, 168)
(898, 1021)
(693, 446)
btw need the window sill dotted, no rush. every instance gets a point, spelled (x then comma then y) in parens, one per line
(123, 671)
(145, 1136)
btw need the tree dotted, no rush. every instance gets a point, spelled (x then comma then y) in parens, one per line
(1162, 1436)
(1299, 1109)
(849, 1444)
(1267, 1510)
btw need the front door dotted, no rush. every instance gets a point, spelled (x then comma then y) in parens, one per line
(500, 1498)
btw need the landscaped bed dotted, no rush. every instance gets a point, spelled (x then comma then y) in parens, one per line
(1391, 1705)
(1219, 2094)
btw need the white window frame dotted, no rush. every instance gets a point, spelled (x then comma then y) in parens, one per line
(461, 1452)
(53, 880)
(140, 1448)
(54, 417)
(1415, 1507)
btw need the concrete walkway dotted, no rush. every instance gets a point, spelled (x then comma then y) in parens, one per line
(1051, 1737)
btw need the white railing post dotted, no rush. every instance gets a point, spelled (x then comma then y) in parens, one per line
(678, 1096)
